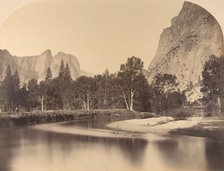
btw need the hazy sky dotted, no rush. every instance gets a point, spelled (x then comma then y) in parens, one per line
(100, 33)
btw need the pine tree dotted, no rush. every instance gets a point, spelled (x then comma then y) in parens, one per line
(62, 70)
(7, 86)
(67, 73)
(3, 98)
(23, 96)
(16, 87)
(8, 73)
(49, 74)
(64, 80)
(33, 94)
(45, 90)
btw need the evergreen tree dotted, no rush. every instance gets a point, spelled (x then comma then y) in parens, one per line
(67, 73)
(49, 74)
(16, 88)
(8, 88)
(3, 98)
(33, 94)
(62, 70)
(65, 85)
(23, 97)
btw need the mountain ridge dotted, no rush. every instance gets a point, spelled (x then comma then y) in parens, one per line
(35, 66)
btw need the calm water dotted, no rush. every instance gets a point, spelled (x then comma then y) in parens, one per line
(26, 149)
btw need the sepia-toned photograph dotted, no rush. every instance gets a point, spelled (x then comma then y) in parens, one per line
(111, 85)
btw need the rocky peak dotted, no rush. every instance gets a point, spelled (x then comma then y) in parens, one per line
(186, 45)
(67, 58)
(47, 53)
(4, 52)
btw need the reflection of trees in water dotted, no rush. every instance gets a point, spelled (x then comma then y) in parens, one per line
(182, 152)
(213, 144)
(7, 142)
(132, 149)
(179, 152)
(214, 151)
(169, 150)
(64, 144)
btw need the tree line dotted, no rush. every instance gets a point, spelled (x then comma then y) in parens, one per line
(128, 88)
(213, 85)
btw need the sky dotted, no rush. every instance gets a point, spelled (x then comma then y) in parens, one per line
(100, 33)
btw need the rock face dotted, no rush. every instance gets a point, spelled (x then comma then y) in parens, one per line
(186, 45)
(36, 66)
(67, 58)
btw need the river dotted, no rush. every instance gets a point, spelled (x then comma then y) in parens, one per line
(31, 149)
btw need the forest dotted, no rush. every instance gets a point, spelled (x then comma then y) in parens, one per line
(126, 89)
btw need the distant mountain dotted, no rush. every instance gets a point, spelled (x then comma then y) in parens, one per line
(186, 45)
(30, 67)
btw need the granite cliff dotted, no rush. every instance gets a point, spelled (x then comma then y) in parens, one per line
(186, 45)
(36, 66)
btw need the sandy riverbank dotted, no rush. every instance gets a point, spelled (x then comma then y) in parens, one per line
(126, 129)
(160, 125)
(82, 131)
(151, 128)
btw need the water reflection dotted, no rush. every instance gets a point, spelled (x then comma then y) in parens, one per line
(5, 155)
(214, 152)
(47, 150)
(25, 149)
(182, 153)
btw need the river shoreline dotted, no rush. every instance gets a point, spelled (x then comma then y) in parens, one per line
(155, 128)
(123, 123)
(8, 120)
(160, 125)
(57, 146)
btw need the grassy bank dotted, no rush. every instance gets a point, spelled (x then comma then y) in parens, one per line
(38, 117)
